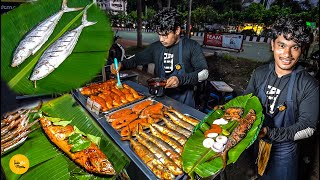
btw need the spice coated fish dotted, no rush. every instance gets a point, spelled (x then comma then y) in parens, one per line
(236, 136)
(59, 50)
(92, 158)
(34, 40)
(161, 156)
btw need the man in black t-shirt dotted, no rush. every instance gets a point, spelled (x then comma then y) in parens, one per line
(290, 99)
(179, 60)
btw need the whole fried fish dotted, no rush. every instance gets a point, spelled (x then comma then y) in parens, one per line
(92, 158)
(237, 135)
(34, 40)
(59, 50)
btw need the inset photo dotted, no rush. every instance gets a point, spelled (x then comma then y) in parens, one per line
(53, 46)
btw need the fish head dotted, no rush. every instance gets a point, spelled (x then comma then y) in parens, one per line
(102, 166)
(41, 71)
(19, 56)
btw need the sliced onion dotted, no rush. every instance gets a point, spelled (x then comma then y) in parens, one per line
(217, 147)
(212, 135)
(220, 121)
(208, 142)
(222, 139)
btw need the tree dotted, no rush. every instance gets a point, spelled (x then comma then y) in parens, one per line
(293, 5)
(139, 26)
(189, 19)
(150, 13)
(254, 13)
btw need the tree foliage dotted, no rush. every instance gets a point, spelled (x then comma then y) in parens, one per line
(231, 12)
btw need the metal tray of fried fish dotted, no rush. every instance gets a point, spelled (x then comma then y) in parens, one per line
(125, 145)
(130, 105)
(183, 132)
(119, 107)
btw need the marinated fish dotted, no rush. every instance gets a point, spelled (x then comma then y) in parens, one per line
(172, 154)
(24, 126)
(177, 128)
(172, 142)
(179, 122)
(132, 128)
(34, 40)
(162, 157)
(119, 114)
(186, 118)
(236, 136)
(134, 92)
(123, 121)
(233, 113)
(174, 134)
(100, 101)
(153, 109)
(141, 106)
(11, 117)
(150, 160)
(59, 50)
(92, 158)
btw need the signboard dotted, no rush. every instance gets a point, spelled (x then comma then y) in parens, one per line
(230, 41)
(213, 39)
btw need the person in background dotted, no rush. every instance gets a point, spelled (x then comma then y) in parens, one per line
(179, 60)
(290, 100)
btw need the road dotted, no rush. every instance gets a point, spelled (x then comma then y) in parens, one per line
(255, 51)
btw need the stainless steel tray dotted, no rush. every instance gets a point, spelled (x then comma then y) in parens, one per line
(161, 122)
(125, 145)
(116, 108)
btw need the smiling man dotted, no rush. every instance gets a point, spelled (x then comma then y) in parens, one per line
(179, 60)
(290, 100)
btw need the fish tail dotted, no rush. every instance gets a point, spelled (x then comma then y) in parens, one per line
(84, 18)
(217, 155)
(65, 7)
(224, 159)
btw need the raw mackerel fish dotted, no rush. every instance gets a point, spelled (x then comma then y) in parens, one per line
(59, 50)
(34, 40)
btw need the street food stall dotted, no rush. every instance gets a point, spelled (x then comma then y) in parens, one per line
(100, 128)
(149, 132)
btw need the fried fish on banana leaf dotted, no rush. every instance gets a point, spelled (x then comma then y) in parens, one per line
(237, 135)
(92, 158)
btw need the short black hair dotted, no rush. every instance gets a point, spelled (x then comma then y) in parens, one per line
(292, 28)
(166, 20)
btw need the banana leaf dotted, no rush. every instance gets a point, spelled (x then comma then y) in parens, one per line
(195, 154)
(85, 62)
(47, 161)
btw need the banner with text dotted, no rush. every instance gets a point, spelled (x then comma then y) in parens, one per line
(231, 41)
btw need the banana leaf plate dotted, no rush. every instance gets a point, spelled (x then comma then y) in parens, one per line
(195, 154)
(47, 161)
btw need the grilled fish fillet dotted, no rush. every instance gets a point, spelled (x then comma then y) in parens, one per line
(92, 159)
